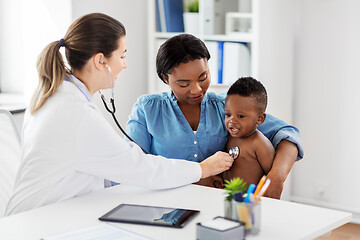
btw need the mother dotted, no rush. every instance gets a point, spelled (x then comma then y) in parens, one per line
(188, 122)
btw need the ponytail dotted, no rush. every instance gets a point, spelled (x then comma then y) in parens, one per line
(51, 70)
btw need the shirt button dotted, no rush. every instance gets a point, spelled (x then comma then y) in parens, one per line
(195, 155)
(195, 142)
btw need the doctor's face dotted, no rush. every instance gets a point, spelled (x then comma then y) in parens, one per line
(117, 61)
(190, 81)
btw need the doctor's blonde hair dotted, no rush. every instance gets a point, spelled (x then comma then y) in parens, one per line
(90, 34)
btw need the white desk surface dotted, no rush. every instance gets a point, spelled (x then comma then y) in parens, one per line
(280, 219)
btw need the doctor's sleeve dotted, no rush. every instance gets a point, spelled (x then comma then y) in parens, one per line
(277, 130)
(136, 127)
(101, 152)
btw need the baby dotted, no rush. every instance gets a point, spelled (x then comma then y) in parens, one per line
(245, 107)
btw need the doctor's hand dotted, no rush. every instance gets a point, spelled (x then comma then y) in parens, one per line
(215, 164)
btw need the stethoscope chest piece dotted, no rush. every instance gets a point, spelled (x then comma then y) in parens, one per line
(234, 152)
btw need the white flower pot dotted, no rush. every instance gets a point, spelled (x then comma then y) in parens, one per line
(191, 22)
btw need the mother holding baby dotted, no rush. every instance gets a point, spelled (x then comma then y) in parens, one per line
(187, 122)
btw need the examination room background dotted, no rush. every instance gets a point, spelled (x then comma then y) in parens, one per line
(325, 83)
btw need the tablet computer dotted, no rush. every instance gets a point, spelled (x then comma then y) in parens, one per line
(150, 215)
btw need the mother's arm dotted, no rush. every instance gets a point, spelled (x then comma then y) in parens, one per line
(289, 148)
(286, 153)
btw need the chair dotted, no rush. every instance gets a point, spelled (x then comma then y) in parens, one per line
(10, 154)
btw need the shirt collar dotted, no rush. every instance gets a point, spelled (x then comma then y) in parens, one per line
(80, 85)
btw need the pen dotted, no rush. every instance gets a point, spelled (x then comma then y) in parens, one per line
(259, 186)
(263, 189)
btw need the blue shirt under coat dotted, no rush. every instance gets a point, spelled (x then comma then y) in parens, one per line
(158, 125)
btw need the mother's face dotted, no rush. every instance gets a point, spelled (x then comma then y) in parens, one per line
(190, 81)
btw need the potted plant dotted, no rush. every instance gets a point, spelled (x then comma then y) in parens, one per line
(191, 16)
(235, 185)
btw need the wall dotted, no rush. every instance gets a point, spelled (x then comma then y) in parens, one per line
(132, 82)
(327, 97)
(27, 26)
(275, 55)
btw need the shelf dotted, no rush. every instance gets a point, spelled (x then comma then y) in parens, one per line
(236, 37)
(166, 35)
(240, 14)
(241, 43)
(220, 85)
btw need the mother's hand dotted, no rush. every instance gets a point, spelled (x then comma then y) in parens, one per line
(215, 164)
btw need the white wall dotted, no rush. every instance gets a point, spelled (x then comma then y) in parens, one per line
(27, 26)
(275, 55)
(132, 82)
(327, 73)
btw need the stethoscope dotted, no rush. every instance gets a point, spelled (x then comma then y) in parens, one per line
(112, 111)
(233, 152)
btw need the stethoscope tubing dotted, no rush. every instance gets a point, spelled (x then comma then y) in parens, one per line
(112, 112)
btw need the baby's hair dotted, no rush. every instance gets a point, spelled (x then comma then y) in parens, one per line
(250, 87)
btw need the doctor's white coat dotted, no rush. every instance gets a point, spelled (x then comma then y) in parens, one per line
(69, 148)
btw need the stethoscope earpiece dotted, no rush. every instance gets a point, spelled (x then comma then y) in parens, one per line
(102, 62)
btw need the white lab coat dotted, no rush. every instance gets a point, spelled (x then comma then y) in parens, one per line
(69, 148)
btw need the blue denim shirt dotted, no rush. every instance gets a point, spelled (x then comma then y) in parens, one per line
(158, 125)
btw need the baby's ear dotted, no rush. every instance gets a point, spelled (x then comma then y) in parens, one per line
(261, 118)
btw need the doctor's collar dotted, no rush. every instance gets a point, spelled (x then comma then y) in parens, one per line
(80, 85)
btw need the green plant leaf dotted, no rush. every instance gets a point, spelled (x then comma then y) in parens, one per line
(192, 6)
(233, 186)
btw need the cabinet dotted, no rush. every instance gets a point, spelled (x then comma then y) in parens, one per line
(265, 28)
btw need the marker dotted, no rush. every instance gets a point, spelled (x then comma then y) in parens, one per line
(263, 190)
(250, 192)
(259, 186)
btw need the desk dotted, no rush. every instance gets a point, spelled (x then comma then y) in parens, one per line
(280, 219)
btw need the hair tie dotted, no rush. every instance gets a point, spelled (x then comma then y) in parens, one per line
(62, 42)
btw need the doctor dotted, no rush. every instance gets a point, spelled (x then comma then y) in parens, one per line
(68, 146)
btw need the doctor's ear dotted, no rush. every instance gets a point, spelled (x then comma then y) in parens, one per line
(98, 60)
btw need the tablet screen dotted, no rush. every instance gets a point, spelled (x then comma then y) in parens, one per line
(150, 215)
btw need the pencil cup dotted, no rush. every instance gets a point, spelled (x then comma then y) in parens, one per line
(250, 214)
(228, 210)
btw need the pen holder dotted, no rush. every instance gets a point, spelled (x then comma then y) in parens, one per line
(249, 213)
